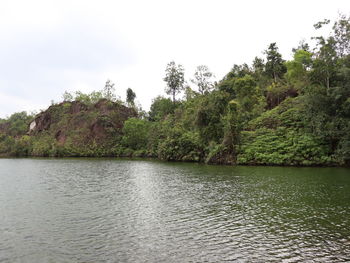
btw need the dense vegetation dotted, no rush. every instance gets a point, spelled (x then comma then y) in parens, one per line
(274, 112)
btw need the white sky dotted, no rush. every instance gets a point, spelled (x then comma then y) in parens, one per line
(47, 47)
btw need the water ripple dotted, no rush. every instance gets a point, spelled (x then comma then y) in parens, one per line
(140, 211)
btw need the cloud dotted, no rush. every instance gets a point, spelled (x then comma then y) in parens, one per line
(32, 57)
(47, 46)
(38, 63)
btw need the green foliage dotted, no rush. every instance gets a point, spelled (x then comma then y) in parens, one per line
(160, 108)
(290, 114)
(238, 71)
(18, 123)
(139, 153)
(158, 132)
(341, 35)
(280, 137)
(130, 96)
(22, 146)
(297, 69)
(202, 78)
(67, 96)
(174, 78)
(108, 91)
(249, 97)
(88, 99)
(282, 147)
(342, 154)
(208, 114)
(135, 134)
(213, 150)
(6, 144)
(43, 145)
(233, 124)
(274, 67)
(181, 146)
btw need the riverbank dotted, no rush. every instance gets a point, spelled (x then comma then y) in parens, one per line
(148, 158)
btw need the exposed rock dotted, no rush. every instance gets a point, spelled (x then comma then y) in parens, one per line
(82, 123)
(60, 137)
(42, 122)
(32, 126)
(77, 106)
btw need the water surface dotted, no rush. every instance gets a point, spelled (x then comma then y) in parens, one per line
(98, 210)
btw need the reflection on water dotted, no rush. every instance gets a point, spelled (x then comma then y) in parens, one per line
(86, 210)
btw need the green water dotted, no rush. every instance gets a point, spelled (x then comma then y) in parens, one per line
(99, 210)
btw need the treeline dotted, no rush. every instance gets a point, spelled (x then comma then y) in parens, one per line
(272, 112)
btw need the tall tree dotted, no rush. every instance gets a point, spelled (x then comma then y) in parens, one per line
(67, 96)
(109, 91)
(298, 69)
(130, 96)
(341, 34)
(174, 78)
(202, 78)
(274, 63)
(325, 59)
(258, 65)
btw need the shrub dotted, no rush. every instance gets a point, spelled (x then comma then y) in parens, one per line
(282, 147)
(181, 146)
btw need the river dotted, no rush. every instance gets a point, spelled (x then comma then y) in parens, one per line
(105, 210)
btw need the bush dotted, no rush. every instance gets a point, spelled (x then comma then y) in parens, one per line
(135, 134)
(282, 147)
(181, 146)
(44, 145)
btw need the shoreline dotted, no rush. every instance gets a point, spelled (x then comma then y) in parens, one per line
(167, 161)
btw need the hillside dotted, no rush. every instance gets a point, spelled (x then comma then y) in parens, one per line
(272, 112)
(67, 129)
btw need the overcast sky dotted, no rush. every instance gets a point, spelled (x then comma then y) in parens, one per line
(47, 47)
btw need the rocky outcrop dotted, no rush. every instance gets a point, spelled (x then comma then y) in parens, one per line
(82, 124)
(40, 123)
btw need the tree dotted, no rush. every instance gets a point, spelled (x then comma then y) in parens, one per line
(160, 108)
(135, 133)
(109, 91)
(249, 97)
(324, 64)
(258, 66)
(82, 97)
(207, 112)
(341, 35)
(331, 52)
(238, 71)
(67, 96)
(95, 96)
(274, 63)
(298, 68)
(130, 96)
(174, 78)
(303, 45)
(18, 123)
(202, 78)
